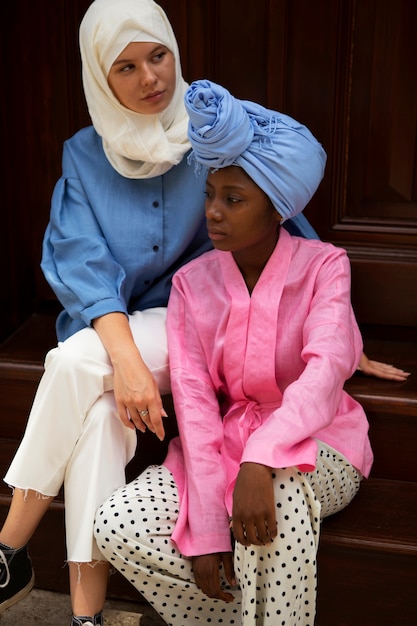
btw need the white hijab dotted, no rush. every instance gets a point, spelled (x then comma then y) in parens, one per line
(137, 145)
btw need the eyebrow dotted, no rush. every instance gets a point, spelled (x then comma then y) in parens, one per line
(229, 187)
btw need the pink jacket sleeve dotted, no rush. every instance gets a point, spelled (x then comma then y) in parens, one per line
(202, 526)
(332, 346)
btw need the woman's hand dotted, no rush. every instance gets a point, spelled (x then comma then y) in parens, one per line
(381, 370)
(136, 392)
(254, 520)
(206, 573)
(137, 395)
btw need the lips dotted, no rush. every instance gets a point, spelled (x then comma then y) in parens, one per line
(151, 97)
(216, 235)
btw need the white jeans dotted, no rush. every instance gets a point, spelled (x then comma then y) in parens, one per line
(74, 436)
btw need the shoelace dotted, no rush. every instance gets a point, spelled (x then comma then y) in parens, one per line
(3, 561)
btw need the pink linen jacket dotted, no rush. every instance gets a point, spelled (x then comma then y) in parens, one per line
(259, 377)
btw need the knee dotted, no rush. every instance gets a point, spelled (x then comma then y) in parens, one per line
(112, 519)
(122, 520)
(106, 529)
(62, 360)
(80, 354)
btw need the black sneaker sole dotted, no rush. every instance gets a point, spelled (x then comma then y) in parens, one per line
(18, 596)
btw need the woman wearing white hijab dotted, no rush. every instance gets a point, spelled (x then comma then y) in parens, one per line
(127, 211)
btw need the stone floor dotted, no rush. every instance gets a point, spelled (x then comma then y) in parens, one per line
(54, 609)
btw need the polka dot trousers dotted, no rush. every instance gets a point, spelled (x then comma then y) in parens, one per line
(277, 583)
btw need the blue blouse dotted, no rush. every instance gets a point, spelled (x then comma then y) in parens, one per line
(113, 243)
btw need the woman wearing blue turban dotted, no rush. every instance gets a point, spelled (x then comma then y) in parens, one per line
(262, 338)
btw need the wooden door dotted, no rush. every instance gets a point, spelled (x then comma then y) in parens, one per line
(348, 70)
(345, 68)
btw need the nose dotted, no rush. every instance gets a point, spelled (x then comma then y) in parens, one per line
(212, 210)
(148, 76)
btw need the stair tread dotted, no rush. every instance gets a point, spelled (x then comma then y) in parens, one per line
(367, 523)
(27, 346)
(389, 344)
(26, 349)
(382, 393)
(382, 516)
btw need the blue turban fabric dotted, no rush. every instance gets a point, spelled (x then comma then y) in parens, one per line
(278, 153)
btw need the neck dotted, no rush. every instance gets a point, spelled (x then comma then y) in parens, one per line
(251, 262)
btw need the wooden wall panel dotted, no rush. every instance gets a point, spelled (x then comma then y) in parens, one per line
(384, 286)
(374, 201)
(381, 185)
(39, 109)
(345, 68)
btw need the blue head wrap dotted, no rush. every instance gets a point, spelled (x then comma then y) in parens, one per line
(280, 155)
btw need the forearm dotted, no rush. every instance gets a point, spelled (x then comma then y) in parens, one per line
(116, 336)
(135, 389)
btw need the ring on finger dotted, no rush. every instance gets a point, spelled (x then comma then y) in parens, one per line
(144, 413)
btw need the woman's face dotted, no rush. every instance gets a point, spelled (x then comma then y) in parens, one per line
(239, 215)
(143, 77)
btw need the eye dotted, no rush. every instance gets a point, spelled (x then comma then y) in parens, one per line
(208, 194)
(126, 68)
(159, 56)
(233, 199)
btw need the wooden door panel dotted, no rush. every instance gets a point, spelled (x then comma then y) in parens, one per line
(381, 166)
